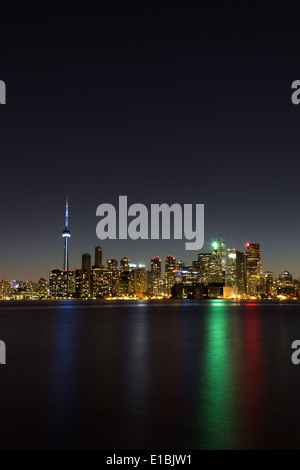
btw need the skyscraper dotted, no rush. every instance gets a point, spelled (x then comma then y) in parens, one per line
(269, 283)
(125, 264)
(98, 256)
(86, 262)
(203, 266)
(82, 283)
(66, 235)
(156, 277)
(100, 282)
(254, 268)
(112, 268)
(140, 281)
(236, 272)
(170, 268)
(43, 287)
(62, 284)
(217, 264)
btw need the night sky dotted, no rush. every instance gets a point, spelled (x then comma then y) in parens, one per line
(159, 105)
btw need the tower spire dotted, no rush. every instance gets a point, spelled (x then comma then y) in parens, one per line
(66, 235)
(67, 214)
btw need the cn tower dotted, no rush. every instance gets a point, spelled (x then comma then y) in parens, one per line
(66, 235)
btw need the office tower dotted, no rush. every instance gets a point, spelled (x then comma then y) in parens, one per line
(253, 259)
(203, 265)
(216, 268)
(125, 264)
(223, 255)
(124, 283)
(86, 262)
(98, 256)
(231, 278)
(235, 271)
(131, 282)
(286, 286)
(156, 277)
(66, 235)
(269, 278)
(178, 271)
(285, 277)
(253, 268)
(140, 281)
(269, 283)
(170, 268)
(148, 282)
(189, 276)
(180, 265)
(196, 265)
(82, 284)
(112, 267)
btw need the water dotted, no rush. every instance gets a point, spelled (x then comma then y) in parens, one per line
(149, 375)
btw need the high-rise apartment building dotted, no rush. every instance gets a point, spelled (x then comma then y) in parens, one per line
(156, 277)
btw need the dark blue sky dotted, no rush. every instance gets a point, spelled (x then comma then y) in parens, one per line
(177, 106)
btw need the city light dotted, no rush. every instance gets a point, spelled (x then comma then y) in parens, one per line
(221, 274)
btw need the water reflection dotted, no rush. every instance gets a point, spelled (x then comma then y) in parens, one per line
(217, 394)
(150, 375)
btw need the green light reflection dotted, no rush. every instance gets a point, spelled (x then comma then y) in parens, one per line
(216, 413)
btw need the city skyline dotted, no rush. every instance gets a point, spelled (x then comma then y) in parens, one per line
(181, 113)
(220, 273)
(66, 235)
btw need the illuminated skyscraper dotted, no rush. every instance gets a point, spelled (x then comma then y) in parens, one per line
(98, 256)
(217, 263)
(170, 269)
(112, 268)
(236, 272)
(66, 235)
(156, 277)
(222, 249)
(180, 265)
(62, 284)
(269, 283)
(125, 264)
(189, 276)
(285, 277)
(5, 290)
(100, 282)
(203, 266)
(82, 283)
(43, 287)
(254, 268)
(140, 281)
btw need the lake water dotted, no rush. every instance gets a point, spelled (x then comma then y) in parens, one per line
(188, 374)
